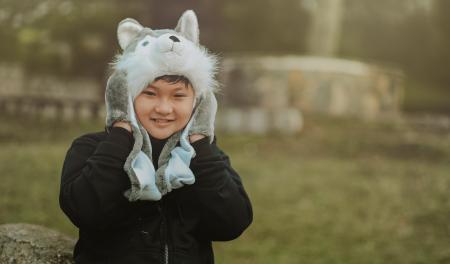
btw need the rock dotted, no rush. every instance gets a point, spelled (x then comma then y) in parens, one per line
(27, 244)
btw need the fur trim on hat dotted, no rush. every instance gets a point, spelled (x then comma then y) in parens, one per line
(148, 54)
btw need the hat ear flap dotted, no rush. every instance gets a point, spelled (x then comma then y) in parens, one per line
(127, 30)
(188, 26)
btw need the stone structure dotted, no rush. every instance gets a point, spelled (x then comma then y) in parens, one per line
(313, 84)
(48, 96)
(32, 244)
(254, 100)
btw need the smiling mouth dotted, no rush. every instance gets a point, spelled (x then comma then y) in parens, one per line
(161, 120)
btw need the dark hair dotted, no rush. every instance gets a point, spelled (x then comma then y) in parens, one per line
(174, 79)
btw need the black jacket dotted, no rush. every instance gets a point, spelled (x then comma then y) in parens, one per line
(178, 228)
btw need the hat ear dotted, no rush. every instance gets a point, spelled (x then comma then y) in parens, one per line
(188, 26)
(127, 30)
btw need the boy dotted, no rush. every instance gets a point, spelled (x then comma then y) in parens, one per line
(154, 187)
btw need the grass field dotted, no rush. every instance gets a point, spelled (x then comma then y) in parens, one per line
(341, 191)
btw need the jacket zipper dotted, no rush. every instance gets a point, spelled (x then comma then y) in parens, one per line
(166, 250)
(163, 235)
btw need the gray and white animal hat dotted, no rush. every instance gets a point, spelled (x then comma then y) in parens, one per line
(148, 54)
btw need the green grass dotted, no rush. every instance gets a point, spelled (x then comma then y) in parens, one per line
(341, 191)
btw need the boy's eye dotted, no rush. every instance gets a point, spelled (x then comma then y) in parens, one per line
(180, 95)
(149, 93)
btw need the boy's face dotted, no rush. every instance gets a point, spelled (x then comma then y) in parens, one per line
(164, 108)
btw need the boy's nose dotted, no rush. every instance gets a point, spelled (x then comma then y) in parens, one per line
(163, 107)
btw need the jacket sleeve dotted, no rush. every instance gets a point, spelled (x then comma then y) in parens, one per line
(224, 205)
(93, 181)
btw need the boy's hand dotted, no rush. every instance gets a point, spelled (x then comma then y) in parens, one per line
(204, 117)
(123, 124)
(195, 137)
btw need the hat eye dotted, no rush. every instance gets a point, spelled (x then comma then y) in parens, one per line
(145, 43)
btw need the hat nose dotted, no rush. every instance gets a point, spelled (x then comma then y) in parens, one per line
(174, 39)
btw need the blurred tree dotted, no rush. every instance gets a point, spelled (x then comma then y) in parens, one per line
(68, 37)
(441, 52)
(372, 29)
(264, 26)
(79, 37)
(400, 32)
(324, 34)
(60, 37)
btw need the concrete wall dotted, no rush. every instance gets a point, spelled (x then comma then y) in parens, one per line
(48, 96)
(312, 84)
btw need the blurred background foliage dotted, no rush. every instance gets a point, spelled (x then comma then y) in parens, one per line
(67, 38)
(410, 34)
